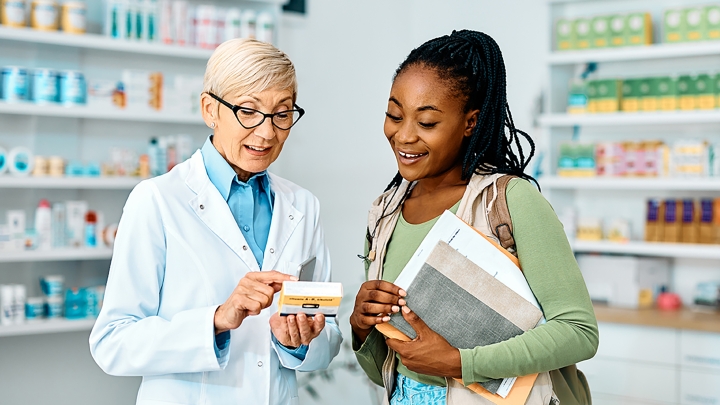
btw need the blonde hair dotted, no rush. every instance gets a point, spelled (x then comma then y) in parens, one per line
(246, 66)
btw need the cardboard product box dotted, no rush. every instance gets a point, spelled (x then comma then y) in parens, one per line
(622, 280)
(609, 159)
(654, 221)
(648, 101)
(576, 160)
(631, 95)
(632, 152)
(717, 90)
(673, 26)
(690, 221)
(666, 92)
(705, 227)
(589, 229)
(618, 30)
(672, 225)
(686, 92)
(638, 29)
(600, 32)
(564, 34)
(716, 220)
(592, 96)
(566, 160)
(649, 160)
(577, 97)
(705, 92)
(583, 36)
(695, 24)
(690, 158)
(608, 95)
(712, 22)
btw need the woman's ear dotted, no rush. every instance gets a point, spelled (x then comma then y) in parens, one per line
(471, 119)
(208, 109)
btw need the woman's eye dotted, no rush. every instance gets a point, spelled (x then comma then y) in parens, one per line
(427, 124)
(246, 112)
(392, 117)
(282, 115)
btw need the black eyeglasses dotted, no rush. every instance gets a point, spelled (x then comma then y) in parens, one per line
(250, 118)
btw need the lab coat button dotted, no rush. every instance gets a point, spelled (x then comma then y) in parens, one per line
(246, 228)
(202, 207)
(291, 217)
(272, 250)
(259, 363)
(244, 247)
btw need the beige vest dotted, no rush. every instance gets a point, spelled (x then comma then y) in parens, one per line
(473, 209)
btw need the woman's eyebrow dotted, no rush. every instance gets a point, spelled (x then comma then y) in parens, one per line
(429, 108)
(394, 100)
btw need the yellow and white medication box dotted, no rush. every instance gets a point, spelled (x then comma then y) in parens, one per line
(310, 298)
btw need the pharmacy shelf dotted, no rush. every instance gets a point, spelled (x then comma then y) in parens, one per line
(47, 326)
(680, 250)
(101, 42)
(619, 183)
(84, 183)
(650, 52)
(686, 319)
(50, 110)
(636, 118)
(65, 254)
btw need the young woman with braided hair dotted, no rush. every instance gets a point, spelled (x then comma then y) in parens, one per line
(451, 131)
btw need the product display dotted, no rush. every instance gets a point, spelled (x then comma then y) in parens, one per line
(683, 221)
(690, 24)
(603, 31)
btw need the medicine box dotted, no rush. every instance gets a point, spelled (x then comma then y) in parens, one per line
(665, 89)
(631, 95)
(564, 34)
(673, 26)
(671, 223)
(712, 21)
(622, 280)
(310, 298)
(686, 92)
(638, 29)
(705, 92)
(577, 97)
(607, 95)
(648, 101)
(600, 32)
(581, 29)
(618, 30)
(695, 25)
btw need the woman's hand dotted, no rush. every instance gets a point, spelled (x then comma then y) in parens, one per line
(253, 293)
(375, 300)
(429, 353)
(295, 330)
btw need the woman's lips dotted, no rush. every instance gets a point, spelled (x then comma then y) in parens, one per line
(408, 158)
(257, 150)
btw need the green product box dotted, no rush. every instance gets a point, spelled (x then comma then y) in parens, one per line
(608, 95)
(665, 90)
(581, 29)
(704, 92)
(618, 30)
(577, 97)
(648, 102)
(717, 89)
(631, 95)
(712, 21)
(600, 32)
(638, 29)
(695, 25)
(592, 99)
(686, 92)
(674, 26)
(564, 35)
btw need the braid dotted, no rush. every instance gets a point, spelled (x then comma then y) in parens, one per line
(473, 64)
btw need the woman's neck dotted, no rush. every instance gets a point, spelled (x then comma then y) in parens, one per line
(449, 178)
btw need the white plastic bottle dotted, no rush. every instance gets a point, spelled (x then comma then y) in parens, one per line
(265, 28)
(19, 295)
(7, 303)
(43, 225)
(248, 23)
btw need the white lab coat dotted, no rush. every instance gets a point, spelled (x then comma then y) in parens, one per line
(178, 255)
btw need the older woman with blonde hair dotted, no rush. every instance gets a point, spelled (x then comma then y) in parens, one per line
(202, 250)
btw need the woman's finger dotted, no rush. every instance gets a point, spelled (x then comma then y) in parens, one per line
(305, 328)
(370, 308)
(385, 286)
(293, 331)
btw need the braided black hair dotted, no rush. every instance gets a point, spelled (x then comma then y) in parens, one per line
(472, 62)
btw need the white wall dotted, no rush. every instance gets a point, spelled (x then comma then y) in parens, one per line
(346, 53)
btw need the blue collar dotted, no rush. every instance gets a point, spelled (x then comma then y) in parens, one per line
(222, 175)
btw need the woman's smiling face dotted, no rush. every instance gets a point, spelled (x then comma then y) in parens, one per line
(248, 151)
(426, 123)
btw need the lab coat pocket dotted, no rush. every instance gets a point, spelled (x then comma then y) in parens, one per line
(291, 381)
(291, 268)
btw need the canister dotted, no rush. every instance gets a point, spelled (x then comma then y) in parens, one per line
(52, 285)
(3, 160)
(21, 161)
(44, 86)
(56, 166)
(14, 83)
(13, 13)
(73, 89)
(44, 15)
(73, 17)
(34, 308)
(40, 168)
(53, 307)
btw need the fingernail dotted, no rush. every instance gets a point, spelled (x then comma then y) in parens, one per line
(402, 302)
(406, 310)
(395, 308)
(293, 278)
(291, 319)
(386, 319)
(402, 293)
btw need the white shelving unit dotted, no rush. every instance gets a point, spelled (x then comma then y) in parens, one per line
(615, 183)
(64, 254)
(656, 51)
(631, 119)
(51, 110)
(74, 183)
(675, 250)
(43, 327)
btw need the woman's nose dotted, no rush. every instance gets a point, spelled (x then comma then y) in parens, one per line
(266, 130)
(405, 134)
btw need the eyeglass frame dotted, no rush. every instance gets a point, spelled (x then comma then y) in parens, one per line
(236, 108)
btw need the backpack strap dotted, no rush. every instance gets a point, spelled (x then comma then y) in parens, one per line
(499, 216)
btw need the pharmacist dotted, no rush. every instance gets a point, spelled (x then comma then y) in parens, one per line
(202, 250)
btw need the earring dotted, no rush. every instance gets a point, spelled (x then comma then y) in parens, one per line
(212, 125)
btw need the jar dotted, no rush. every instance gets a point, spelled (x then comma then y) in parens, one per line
(73, 90)
(40, 167)
(14, 84)
(44, 15)
(13, 13)
(44, 86)
(73, 17)
(56, 166)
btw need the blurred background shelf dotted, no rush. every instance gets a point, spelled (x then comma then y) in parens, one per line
(635, 118)
(101, 42)
(656, 249)
(619, 183)
(85, 183)
(637, 53)
(51, 110)
(67, 254)
(47, 326)
(685, 318)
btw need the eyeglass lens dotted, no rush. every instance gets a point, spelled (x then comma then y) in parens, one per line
(282, 120)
